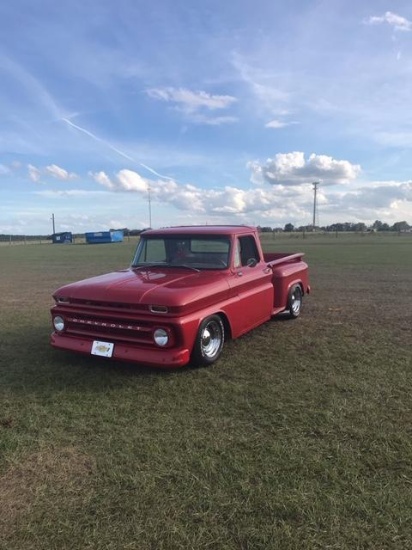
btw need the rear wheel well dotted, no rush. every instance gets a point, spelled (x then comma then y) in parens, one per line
(298, 283)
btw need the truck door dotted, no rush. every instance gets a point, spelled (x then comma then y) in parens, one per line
(251, 282)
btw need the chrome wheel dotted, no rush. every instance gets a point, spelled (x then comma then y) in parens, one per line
(209, 341)
(295, 301)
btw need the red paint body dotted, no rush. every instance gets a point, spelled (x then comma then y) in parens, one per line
(124, 308)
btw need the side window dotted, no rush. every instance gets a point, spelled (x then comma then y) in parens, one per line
(248, 250)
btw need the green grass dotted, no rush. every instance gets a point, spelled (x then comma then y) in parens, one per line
(298, 438)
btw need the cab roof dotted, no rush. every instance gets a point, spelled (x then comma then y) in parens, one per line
(200, 230)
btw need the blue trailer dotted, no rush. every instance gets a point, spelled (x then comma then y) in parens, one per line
(99, 237)
(65, 237)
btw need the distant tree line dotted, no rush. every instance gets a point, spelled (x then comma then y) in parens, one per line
(130, 232)
(359, 227)
(398, 227)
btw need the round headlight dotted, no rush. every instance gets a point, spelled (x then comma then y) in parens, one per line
(58, 323)
(161, 337)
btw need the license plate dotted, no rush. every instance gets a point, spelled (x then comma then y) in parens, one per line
(104, 349)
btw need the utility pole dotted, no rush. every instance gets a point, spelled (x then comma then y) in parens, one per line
(315, 191)
(54, 227)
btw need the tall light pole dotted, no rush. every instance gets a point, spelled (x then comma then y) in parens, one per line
(315, 191)
(54, 227)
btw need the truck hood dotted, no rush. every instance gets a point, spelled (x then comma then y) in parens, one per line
(172, 287)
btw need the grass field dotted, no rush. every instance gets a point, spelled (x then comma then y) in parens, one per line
(300, 437)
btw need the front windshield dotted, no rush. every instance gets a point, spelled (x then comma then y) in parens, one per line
(190, 251)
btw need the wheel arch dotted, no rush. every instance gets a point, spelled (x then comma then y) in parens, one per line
(226, 324)
(210, 338)
(294, 283)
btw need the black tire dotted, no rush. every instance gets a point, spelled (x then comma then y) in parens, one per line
(295, 299)
(209, 341)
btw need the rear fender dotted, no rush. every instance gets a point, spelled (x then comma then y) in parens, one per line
(284, 277)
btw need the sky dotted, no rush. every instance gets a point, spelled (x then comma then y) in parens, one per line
(131, 113)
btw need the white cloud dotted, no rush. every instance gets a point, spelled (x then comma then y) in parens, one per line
(34, 173)
(69, 193)
(191, 101)
(398, 22)
(103, 179)
(387, 201)
(277, 124)
(213, 121)
(188, 197)
(380, 195)
(293, 169)
(127, 180)
(273, 205)
(226, 204)
(59, 173)
(132, 181)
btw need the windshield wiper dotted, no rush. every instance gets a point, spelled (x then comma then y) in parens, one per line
(145, 266)
(164, 264)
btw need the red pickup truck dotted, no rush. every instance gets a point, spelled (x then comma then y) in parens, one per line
(187, 290)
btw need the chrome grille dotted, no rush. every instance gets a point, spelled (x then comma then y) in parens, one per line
(97, 327)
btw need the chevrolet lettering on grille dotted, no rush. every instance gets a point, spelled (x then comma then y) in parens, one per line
(103, 324)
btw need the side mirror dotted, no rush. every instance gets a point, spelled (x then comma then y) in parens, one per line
(252, 262)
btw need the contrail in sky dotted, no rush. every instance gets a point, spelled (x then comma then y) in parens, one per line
(155, 173)
(121, 153)
(70, 123)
